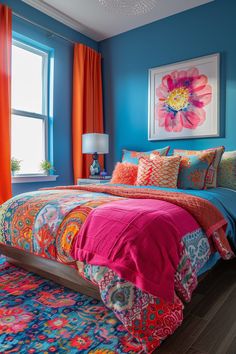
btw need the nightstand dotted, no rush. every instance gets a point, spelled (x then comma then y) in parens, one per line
(81, 181)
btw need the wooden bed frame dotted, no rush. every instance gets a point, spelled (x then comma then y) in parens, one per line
(55, 271)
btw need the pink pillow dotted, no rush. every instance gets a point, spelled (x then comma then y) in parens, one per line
(125, 173)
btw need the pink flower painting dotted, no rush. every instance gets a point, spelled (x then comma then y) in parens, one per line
(182, 97)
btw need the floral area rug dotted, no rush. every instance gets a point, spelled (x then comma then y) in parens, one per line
(39, 316)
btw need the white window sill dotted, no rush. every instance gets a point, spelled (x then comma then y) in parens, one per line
(36, 178)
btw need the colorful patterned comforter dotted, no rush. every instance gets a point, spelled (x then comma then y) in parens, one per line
(46, 222)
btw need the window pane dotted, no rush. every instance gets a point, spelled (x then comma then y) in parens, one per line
(28, 143)
(27, 80)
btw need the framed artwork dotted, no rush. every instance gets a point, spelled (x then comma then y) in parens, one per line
(184, 99)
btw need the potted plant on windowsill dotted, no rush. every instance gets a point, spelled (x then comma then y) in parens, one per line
(15, 165)
(47, 167)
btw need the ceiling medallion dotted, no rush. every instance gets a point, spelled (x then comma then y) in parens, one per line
(129, 7)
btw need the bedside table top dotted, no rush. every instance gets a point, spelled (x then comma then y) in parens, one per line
(92, 181)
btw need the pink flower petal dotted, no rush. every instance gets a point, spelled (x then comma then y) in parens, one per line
(201, 101)
(161, 121)
(182, 74)
(164, 81)
(161, 113)
(199, 82)
(205, 99)
(192, 119)
(196, 103)
(173, 123)
(175, 75)
(162, 92)
(167, 82)
(192, 72)
(200, 112)
(206, 90)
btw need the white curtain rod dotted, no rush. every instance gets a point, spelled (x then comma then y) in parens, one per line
(43, 27)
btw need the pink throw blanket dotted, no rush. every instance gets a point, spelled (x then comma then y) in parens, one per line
(139, 239)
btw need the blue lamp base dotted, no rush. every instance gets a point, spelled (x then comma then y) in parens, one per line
(95, 168)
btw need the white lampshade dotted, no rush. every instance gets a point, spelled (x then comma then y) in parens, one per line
(95, 142)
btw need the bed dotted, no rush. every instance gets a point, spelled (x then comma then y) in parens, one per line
(41, 230)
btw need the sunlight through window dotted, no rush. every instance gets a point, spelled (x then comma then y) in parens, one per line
(29, 106)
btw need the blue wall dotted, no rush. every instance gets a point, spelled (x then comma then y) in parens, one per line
(62, 85)
(127, 57)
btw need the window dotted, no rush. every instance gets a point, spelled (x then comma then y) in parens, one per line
(30, 94)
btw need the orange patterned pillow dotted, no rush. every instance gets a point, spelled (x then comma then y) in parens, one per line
(158, 171)
(125, 173)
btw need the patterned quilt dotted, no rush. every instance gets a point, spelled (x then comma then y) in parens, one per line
(46, 222)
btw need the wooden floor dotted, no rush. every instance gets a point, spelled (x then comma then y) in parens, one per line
(210, 319)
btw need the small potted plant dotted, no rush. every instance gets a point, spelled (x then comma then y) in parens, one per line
(15, 165)
(46, 167)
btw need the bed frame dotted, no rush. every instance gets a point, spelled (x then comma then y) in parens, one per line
(55, 271)
(58, 272)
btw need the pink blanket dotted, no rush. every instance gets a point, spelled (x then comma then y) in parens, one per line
(138, 239)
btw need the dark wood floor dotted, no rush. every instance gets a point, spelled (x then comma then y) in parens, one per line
(210, 319)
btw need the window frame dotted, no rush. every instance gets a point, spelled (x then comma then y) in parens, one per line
(45, 54)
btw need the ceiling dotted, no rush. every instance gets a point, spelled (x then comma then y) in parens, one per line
(101, 19)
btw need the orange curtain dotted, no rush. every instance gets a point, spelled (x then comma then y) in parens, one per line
(5, 102)
(87, 115)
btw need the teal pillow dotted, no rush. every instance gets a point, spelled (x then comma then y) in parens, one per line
(193, 170)
(134, 156)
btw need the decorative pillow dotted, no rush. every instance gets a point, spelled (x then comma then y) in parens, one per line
(227, 170)
(134, 156)
(153, 155)
(159, 171)
(193, 170)
(125, 173)
(211, 177)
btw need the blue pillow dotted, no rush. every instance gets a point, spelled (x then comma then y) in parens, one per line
(134, 156)
(193, 170)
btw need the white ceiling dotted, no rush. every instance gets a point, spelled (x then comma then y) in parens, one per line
(98, 22)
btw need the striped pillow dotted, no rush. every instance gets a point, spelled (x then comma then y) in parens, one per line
(158, 171)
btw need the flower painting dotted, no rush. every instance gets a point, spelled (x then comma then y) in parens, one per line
(183, 99)
(182, 96)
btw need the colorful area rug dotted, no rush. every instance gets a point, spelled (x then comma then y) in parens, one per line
(39, 316)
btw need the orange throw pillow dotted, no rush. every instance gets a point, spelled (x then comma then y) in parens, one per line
(158, 171)
(125, 173)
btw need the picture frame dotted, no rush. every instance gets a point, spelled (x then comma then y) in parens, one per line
(184, 99)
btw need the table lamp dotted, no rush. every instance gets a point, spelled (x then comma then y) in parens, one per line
(95, 144)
